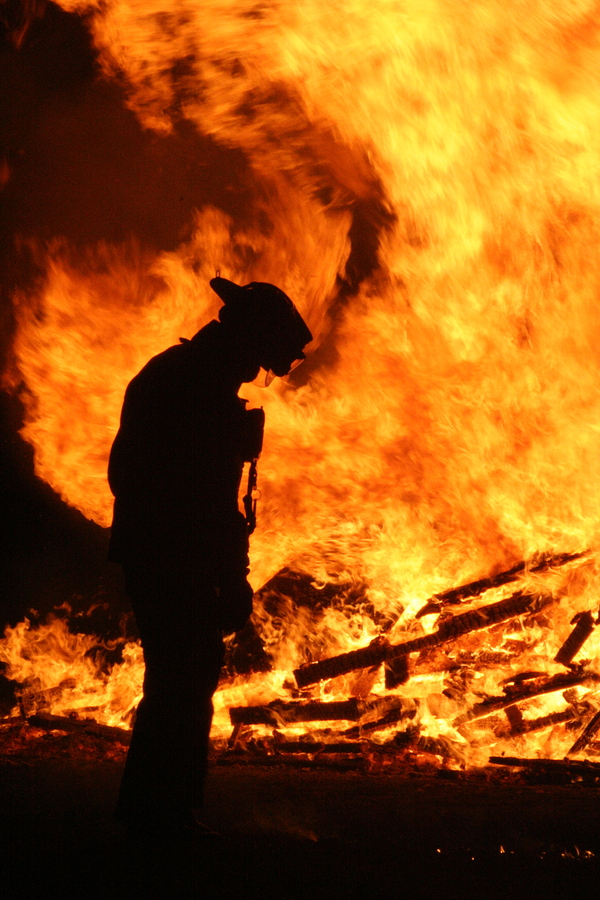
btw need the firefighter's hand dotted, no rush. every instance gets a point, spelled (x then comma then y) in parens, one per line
(235, 601)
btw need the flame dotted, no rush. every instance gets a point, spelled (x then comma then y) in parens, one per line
(424, 184)
(62, 676)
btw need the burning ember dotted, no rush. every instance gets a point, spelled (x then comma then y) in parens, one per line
(422, 181)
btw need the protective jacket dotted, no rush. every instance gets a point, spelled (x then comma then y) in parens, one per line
(176, 464)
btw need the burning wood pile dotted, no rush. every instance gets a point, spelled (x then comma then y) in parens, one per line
(428, 698)
(394, 725)
(435, 216)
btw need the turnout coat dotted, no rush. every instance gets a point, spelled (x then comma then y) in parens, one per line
(176, 464)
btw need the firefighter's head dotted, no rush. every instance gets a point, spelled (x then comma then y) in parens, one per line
(267, 322)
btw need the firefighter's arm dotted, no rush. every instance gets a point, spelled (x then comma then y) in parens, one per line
(235, 591)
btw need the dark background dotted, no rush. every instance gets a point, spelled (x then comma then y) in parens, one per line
(75, 165)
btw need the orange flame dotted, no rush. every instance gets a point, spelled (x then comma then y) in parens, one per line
(429, 179)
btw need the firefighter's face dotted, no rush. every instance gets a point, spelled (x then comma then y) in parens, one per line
(282, 361)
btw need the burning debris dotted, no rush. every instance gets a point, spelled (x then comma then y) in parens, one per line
(584, 625)
(62, 736)
(389, 717)
(527, 691)
(554, 771)
(281, 713)
(543, 563)
(446, 422)
(586, 736)
(450, 628)
(518, 690)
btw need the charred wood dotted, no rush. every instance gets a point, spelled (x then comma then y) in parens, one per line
(572, 765)
(33, 699)
(411, 740)
(233, 737)
(317, 747)
(8, 692)
(493, 614)
(390, 718)
(524, 726)
(568, 768)
(586, 735)
(277, 603)
(584, 625)
(487, 658)
(71, 725)
(260, 757)
(514, 682)
(280, 712)
(540, 563)
(280, 596)
(396, 672)
(515, 718)
(525, 692)
(394, 710)
(245, 653)
(581, 704)
(278, 750)
(302, 590)
(380, 651)
(287, 590)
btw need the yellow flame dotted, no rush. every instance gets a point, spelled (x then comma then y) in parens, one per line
(453, 424)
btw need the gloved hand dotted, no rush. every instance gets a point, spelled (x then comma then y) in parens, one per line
(235, 605)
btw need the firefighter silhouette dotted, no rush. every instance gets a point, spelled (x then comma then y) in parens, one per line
(175, 470)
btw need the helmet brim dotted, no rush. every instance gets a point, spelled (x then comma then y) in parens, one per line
(228, 291)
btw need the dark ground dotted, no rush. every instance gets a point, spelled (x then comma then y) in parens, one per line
(290, 834)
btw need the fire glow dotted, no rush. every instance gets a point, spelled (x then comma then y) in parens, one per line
(425, 187)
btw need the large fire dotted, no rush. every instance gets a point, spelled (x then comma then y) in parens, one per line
(425, 187)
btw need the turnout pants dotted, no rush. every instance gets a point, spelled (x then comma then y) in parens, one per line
(183, 653)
